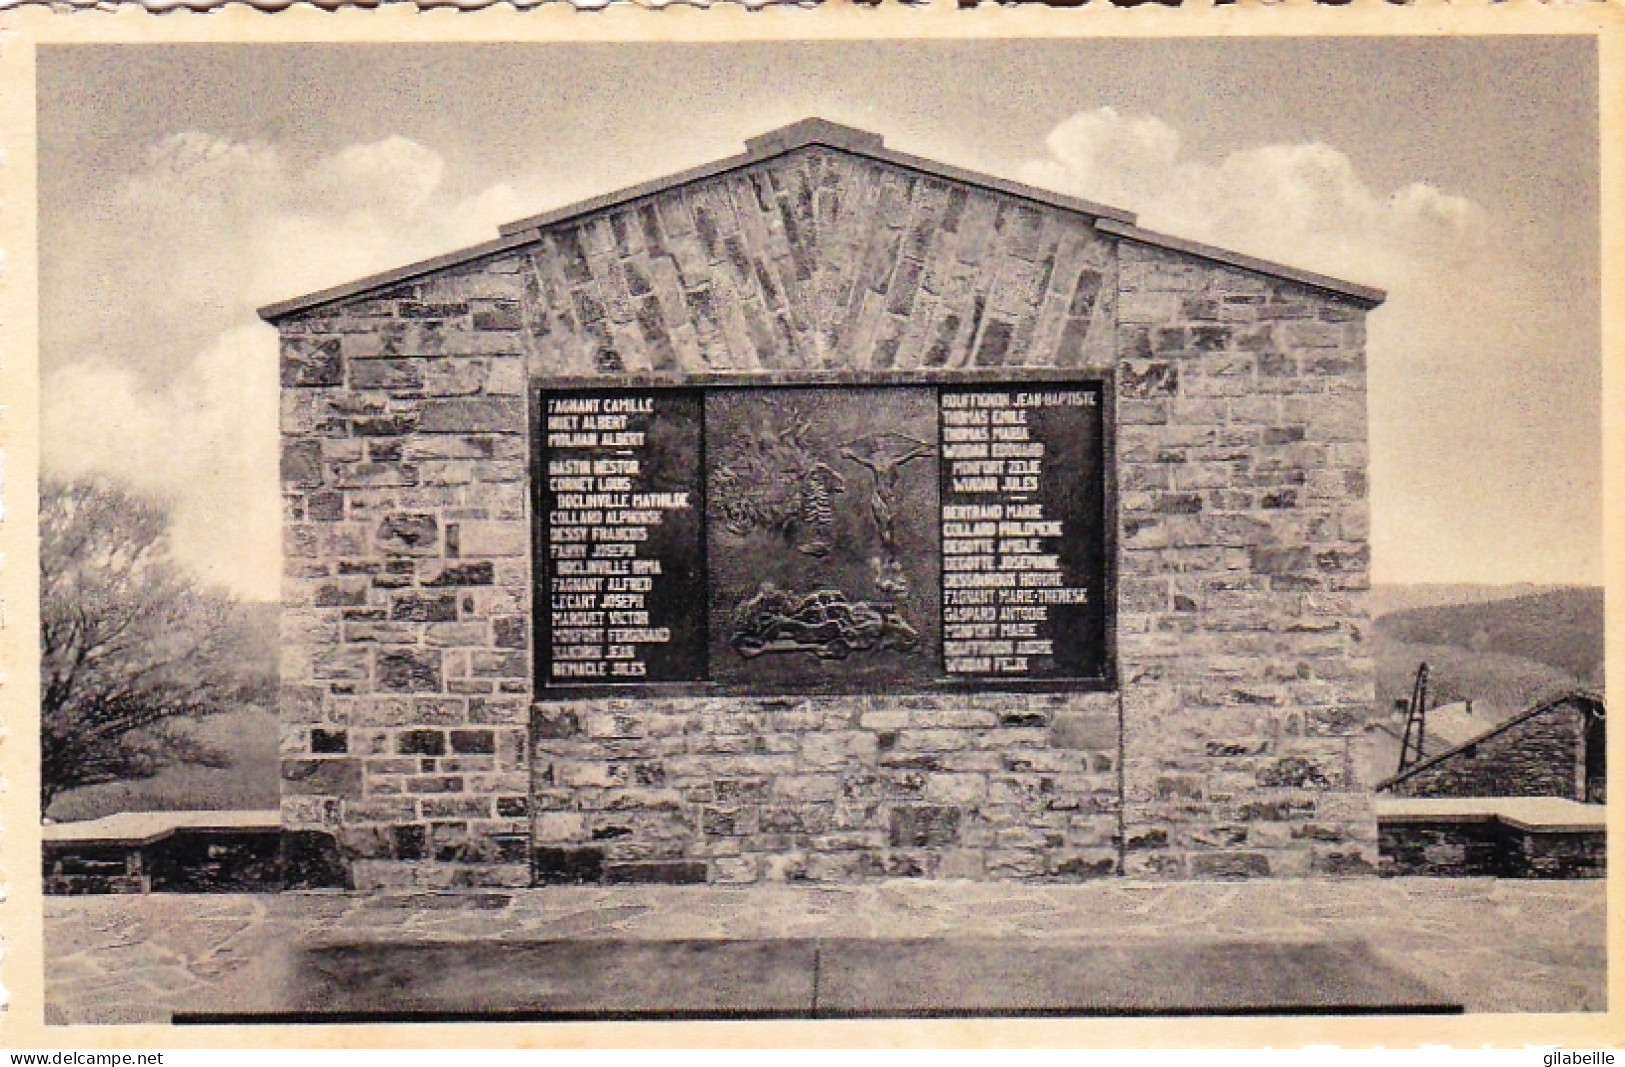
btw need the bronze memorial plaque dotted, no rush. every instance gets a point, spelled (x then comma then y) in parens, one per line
(823, 535)
(850, 537)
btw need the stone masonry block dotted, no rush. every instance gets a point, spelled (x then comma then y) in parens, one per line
(417, 607)
(302, 463)
(924, 826)
(326, 777)
(409, 670)
(1092, 730)
(494, 415)
(389, 375)
(492, 539)
(311, 362)
(408, 534)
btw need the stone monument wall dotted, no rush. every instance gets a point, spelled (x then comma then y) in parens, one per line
(411, 726)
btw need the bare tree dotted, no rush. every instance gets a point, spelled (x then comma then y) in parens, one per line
(133, 652)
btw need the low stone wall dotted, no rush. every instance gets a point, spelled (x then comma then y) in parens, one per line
(1490, 848)
(1559, 855)
(197, 861)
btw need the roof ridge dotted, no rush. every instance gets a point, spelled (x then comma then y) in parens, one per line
(807, 133)
(812, 130)
(1364, 295)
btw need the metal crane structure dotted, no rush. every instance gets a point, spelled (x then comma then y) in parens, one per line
(1411, 748)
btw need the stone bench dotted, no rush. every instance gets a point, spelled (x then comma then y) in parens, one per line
(186, 852)
(1506, 837)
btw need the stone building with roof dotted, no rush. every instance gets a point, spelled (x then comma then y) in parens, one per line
(827, 513)
(1525, 798)
(1557, 748)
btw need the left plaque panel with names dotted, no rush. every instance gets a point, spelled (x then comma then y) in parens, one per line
(621, 586)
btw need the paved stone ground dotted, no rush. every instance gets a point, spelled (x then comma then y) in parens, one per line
(1495, 945)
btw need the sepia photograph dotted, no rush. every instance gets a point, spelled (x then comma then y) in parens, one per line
(890, 529)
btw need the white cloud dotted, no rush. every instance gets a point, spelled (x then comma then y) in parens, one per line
(1480, 469)
(392, 177)
(171, 383)
(215, 228)
(206, 443)
(1299, 202)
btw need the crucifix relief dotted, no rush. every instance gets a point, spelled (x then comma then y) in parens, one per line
(884, 455)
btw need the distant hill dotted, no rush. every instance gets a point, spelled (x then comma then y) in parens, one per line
(1494, 681)
(1561, 628)
(1388, 599)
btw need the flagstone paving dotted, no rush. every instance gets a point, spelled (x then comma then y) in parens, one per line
(1493, 945)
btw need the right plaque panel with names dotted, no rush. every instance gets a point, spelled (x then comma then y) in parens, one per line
(1023, 516)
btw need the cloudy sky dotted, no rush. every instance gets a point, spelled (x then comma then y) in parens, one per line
(182, 186)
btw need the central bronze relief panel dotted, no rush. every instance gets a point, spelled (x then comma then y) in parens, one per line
(822, 511)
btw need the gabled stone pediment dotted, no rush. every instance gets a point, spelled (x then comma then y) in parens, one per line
(816, 249)
(819, 258)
